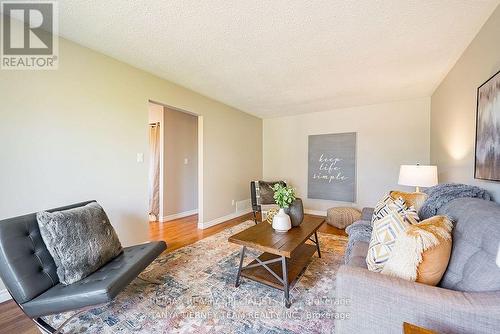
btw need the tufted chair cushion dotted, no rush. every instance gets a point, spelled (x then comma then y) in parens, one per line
(100, 287)
(476, 240)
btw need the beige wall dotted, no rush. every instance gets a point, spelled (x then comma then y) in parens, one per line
(155, 113)
(73, 134)
(453, 108)
(388, 135)
(180, 178)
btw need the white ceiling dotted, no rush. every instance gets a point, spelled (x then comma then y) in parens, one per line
(274, 58)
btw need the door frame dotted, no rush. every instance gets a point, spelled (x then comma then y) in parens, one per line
(200, 156)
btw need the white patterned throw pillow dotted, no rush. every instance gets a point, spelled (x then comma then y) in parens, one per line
(385, 233)
(391, 217)
(388, 205)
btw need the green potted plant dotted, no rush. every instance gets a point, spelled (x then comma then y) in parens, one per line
(284, 197)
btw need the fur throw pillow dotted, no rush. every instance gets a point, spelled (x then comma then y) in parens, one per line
(421, 253)
(81, 240)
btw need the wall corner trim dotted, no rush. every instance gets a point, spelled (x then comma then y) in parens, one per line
(4, 296)
(178, 215)
(315, 212)
(216, 221)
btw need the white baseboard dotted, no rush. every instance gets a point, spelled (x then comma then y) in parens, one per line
(4, 296)
(178, 215)
(315, 212)
(223, 219)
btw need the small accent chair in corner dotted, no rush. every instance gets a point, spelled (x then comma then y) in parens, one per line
(29, 272)
(262, 194)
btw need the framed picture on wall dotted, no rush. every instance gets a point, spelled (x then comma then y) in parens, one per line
(487, 157)
(332, 167)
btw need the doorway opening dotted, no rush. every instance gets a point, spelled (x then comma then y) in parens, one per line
(175, 164)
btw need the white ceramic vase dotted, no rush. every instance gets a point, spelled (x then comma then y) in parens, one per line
(281, 222)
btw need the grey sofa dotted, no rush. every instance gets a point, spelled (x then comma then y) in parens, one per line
(29, 272)
(467, 300)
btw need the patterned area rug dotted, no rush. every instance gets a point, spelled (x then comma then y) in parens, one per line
(197, 295)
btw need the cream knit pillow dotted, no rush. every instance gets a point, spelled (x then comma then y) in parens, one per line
(422, 252)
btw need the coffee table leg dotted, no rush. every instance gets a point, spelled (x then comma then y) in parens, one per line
(317, 243)
(242, 256)
(284, 267)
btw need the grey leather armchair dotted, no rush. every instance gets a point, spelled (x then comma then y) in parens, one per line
(261, 193)
(29, 272)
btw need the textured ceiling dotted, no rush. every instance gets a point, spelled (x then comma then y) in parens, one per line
(274, 58)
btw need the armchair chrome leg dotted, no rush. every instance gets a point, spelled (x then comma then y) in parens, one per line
(58, 331)
(51, 330)
(43, 326)
(48, 329)
(39, 322)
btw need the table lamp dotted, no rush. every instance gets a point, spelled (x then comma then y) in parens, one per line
(418, 176)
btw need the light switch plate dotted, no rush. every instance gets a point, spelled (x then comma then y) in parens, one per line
(186, 161)
(140, 157)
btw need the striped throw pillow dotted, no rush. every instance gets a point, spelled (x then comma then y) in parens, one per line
(386, 206)
(385, 233)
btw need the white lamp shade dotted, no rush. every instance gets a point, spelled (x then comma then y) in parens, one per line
(418, 176)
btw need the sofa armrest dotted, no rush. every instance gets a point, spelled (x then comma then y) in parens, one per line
(367, 213)
(380, 304)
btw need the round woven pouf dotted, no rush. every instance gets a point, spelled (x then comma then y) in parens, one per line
(342, 217)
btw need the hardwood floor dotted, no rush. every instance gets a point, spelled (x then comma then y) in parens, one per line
(181, 232)
(176, 233)
(184, 231)
(12, 320)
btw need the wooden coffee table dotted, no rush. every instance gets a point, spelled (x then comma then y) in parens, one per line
(285, 256)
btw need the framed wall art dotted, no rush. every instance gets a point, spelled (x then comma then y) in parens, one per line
(487, 156)
(332, 167)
